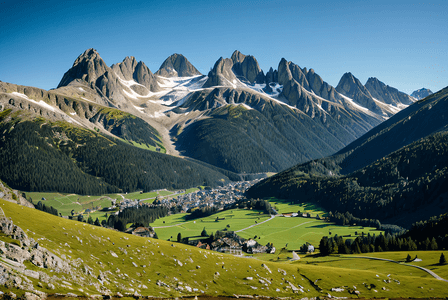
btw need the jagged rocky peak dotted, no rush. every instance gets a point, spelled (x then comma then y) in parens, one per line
(288, 71)
(221, 74)
(387, 94)
(177, 65)
(88, 67)
(271, 76)
(247, 68)
(421, 93)
(126, 68)
(349, 86)
(237, 57)
(130, 69)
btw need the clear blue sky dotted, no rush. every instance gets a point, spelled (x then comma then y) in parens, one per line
(402, 43)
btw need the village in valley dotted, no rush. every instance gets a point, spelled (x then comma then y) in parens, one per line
(219, 197)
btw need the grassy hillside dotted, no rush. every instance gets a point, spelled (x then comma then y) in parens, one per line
(130, 264)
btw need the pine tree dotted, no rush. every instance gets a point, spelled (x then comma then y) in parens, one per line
(179, 237)
(442, 260)
(408, 258)
(204, 232)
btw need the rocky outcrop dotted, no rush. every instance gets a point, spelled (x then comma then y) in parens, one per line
(387, 94)
(237, 57)
(271, 76)
(246, 67)
(222, 74)
(351, 87)
(130, 69)
(322, 88)
(421, 93)
(14, 196)
(13, 270)
(177, 65)
(87, 67)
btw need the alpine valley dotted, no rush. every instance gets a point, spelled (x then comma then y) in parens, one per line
(357, 158)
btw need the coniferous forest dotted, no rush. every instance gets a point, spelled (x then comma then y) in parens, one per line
(410, 181)
(39, 155)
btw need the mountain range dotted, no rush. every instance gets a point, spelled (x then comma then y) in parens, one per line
(234, 120)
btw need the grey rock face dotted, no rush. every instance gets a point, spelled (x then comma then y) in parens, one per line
(246, 67)
(421, 93)
(129, 69)
(88, 67)
(177, 65)
(126, 68)
(271, 76)
(322, 88)
(385, 93)
(237, 57)
(221, 74)
(351, 87)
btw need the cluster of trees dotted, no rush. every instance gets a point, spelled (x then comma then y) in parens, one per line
(201, 212)
(345, 219)
(372, 243)
(127, 126)
(256, 204)
(141, 215)
(43, 156)
(47, 209)
(434, 226)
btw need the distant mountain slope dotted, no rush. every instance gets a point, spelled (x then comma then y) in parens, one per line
(387, 94)
(396, 172)
(421, 93)
(39, 155)
(240, 138)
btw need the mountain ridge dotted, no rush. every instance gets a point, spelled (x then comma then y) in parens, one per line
(295, 104)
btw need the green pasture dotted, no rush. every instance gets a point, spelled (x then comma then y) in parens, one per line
(296, 231)
(281, 231)
(286, 206)
(65, 203)
(430, 260)
(236, 218)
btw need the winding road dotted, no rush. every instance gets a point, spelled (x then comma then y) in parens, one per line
(397, 262)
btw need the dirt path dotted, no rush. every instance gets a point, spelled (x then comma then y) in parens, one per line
(397, 262)
(272, 217)
(172, 225)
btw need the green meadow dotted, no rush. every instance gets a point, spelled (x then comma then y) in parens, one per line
(65, 203)
(135, 265)
(235, 219)
(289, 232)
